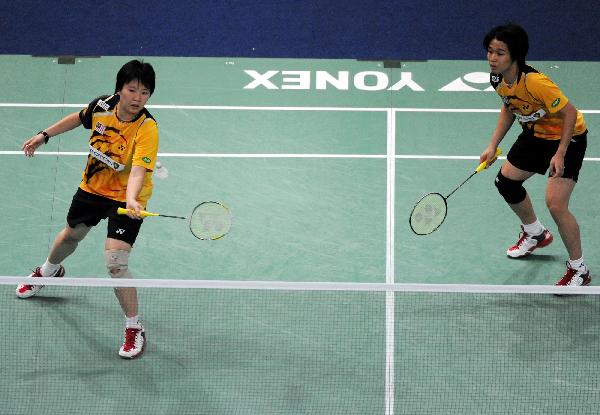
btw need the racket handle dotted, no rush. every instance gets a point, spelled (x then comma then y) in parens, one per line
(483, 165)
(143, 213)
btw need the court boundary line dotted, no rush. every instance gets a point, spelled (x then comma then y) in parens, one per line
(390, 197)
(275, 108)
(390, 345)
(275, 155)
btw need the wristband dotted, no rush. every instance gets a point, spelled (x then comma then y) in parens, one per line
(46, 136)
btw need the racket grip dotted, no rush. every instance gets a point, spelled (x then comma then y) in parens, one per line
(143, 213)
(483, 165)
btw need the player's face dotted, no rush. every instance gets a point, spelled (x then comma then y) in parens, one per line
(134, 96)
(499, 58)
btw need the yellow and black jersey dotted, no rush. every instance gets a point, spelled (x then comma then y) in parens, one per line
(535, 100)
(115, 146)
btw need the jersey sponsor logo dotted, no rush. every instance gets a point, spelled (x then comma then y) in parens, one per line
(362, 81)
(102, 104)
(530, 118)
(100, 127)
(100, 156)
(555, 103)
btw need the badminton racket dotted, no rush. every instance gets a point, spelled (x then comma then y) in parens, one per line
(208, 221)
(431, 210)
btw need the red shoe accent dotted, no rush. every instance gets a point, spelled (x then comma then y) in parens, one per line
(527, 243)
(23, 289)
(134, 344)
(28, 290)
(582, 278)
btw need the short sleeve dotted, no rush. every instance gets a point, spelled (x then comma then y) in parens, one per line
(85, 115)
(543, 89)
(146, 145)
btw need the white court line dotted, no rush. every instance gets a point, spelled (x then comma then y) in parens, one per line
(272, 155)
(261, 155)
(390, 311)
(217, 107)
(204, 107)
(35, 105)
(391, 191)
(212, 155)
(271, 108)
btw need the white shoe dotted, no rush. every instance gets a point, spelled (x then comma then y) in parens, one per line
(27, 290)
(134, 344)
(575, 277)
(528, 243)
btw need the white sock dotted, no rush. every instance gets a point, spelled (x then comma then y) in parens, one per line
(534, 229)
(576, 263)
(132, 322)
(48, 268)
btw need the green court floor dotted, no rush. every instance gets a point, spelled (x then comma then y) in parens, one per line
(321, 162)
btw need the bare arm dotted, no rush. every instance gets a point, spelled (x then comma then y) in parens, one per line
(505, 121)
(568, 113)
(68, 123)
(134, 187)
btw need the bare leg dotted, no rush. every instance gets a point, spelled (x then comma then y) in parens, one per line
(558, 194)
(524, 210)
(127, 296)
(66, 242)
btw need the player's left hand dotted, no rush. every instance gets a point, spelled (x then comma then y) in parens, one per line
(557, 166)
(32, 144)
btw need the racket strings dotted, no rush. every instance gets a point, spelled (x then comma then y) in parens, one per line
(210, 220)
(428, 214)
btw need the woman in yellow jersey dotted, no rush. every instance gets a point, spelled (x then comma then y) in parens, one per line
(123, 146)
(554, 138)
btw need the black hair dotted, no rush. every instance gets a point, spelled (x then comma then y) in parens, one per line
(136, 69)
(515, 38)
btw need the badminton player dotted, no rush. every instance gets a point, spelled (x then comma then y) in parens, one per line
(123, 146)
(553, 138)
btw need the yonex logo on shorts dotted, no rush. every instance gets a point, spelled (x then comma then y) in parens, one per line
(555, 102)
(120, 231)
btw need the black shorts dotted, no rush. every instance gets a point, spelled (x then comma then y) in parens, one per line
(534, 154)
(90, 209)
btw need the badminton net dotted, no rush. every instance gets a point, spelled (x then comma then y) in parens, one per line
(235, 347)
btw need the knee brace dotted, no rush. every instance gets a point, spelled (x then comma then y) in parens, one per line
(117, 262)
(511, 190)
